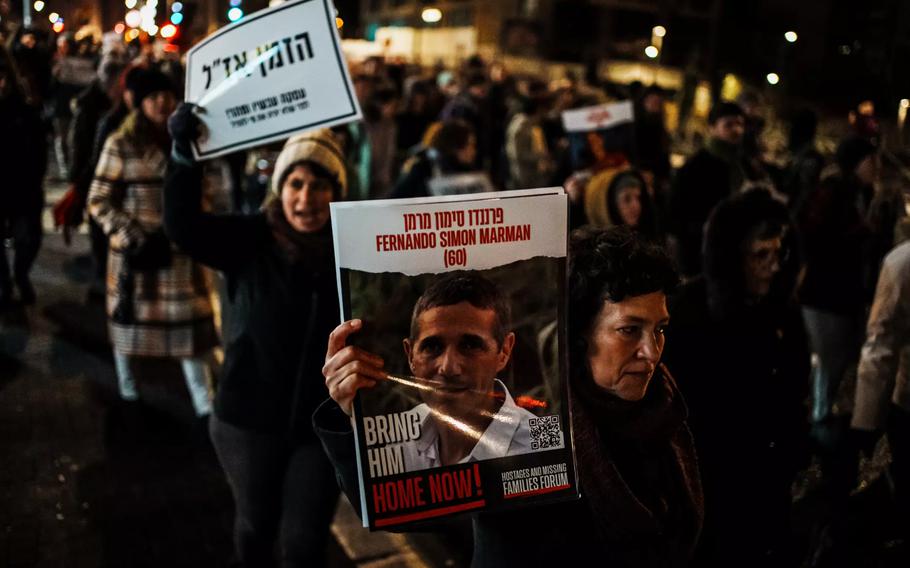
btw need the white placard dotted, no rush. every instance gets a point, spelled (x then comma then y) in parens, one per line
(274, 73)
(598, 117)
(417, 236)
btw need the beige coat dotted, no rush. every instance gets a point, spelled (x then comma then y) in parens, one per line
(171, 306)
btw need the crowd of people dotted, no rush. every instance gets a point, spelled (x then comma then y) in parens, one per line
(735, 272)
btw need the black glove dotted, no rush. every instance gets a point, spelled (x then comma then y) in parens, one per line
(864, 441)
(184, 127)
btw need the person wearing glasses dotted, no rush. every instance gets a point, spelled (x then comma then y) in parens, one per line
(739, 347)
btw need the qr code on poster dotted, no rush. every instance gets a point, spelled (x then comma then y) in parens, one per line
(545, 432)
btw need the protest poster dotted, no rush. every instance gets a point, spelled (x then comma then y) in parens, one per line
(274, 73)
(600, 136)
(464, 298)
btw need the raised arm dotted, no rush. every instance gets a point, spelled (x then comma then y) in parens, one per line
(223, 242)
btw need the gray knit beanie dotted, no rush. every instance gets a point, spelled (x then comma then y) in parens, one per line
(317, 146)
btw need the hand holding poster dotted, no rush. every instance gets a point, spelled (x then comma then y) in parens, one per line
(458, 295)
(275, 72)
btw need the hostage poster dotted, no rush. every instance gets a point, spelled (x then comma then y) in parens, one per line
(274, 73)
(600, 136)
(463, 297)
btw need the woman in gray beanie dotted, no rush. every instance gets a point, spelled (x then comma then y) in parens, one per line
(280, 274)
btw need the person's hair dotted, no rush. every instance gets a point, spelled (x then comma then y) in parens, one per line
(610, 265)
(724, 109)
(732, 225)
(452, 136)
(456, 287)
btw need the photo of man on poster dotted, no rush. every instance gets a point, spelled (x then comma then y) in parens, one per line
(460, 340)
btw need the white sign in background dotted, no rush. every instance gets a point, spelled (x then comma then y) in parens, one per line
(356, 226)
(598, 117)
(274, 73)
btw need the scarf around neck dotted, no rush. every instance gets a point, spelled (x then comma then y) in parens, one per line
(312, 249)
(605, 428)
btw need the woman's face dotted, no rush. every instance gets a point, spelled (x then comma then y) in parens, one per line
(468, 154)
(305, 199)
(626, 343)
(628, 204)
(158, 106)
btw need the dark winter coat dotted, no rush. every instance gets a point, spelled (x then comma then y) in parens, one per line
(416, 175)
(612, 524)
(23, 157)
(281, 309)
(699, 185)
(837, 240)
(91, 104)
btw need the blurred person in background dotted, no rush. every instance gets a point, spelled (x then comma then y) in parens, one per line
(738, 335)
(33, 61)
(806, 163)
(382, 134)
(88, 108)
(71, 74)
(280, 273)
(452, 150)
(620, 197)
(882, 402)
(652, 140)
(835, 292)
(416, 116)
(157, 298)
(713, 173)
(23, 160)
(470, 105)
(530, 162)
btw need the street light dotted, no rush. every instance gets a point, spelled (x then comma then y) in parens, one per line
(773, 78)
(53, 17)
(39, 5)
(791, 36)
(431, 15)
(133, 18)
(652, 52)
(659, 31)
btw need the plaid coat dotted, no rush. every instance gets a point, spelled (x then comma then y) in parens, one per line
(172, 313)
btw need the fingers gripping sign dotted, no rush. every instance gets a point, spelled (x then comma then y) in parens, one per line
(347, 368)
